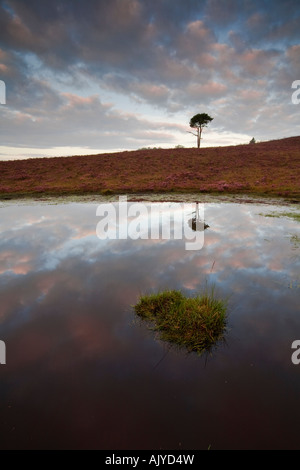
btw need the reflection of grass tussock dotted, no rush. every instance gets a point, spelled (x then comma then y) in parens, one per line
(194, 323)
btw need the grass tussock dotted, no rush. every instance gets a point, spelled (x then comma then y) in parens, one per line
(193, 323)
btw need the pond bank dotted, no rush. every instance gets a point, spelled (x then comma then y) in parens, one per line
(151, 197)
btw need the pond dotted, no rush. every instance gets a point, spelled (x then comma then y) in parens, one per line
(82, 372)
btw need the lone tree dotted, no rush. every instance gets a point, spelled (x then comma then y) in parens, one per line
(199, 121)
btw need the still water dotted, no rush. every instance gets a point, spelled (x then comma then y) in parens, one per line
(83, 373)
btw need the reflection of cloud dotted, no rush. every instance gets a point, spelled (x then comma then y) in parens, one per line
(70, 328)
(10, 261)
(90, 335)
(235, 243)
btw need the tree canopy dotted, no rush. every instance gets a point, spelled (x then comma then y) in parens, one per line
(199, 121)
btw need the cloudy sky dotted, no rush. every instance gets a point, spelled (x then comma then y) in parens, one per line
(94, 76)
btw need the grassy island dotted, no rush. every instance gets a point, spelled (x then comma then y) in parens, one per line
(195, 323)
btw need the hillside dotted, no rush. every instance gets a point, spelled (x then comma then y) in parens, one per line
(266, 168)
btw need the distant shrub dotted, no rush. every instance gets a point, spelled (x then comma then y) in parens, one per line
(149, 148)
(252, 141)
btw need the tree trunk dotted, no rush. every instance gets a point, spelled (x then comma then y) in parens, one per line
(198, 138)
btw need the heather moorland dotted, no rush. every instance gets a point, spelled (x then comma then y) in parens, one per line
(266, 169)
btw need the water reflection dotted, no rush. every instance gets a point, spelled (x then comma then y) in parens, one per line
(195, 223)
(83, 373)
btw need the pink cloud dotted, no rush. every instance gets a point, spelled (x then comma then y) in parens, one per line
(152, 92)
(257, 62)
(251, 95)
(255, 21)
(293, 54)
(198, 30)
(211, 89)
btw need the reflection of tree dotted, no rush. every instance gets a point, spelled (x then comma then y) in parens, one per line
(196, 223)
(295, 240)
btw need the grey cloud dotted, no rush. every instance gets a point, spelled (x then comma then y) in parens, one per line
(223, 12)
(237, 41)
(173, 55)
(82, 122)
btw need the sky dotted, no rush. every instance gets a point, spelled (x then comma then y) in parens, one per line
(94, 76)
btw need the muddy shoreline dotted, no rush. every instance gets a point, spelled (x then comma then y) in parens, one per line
(147, 197)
